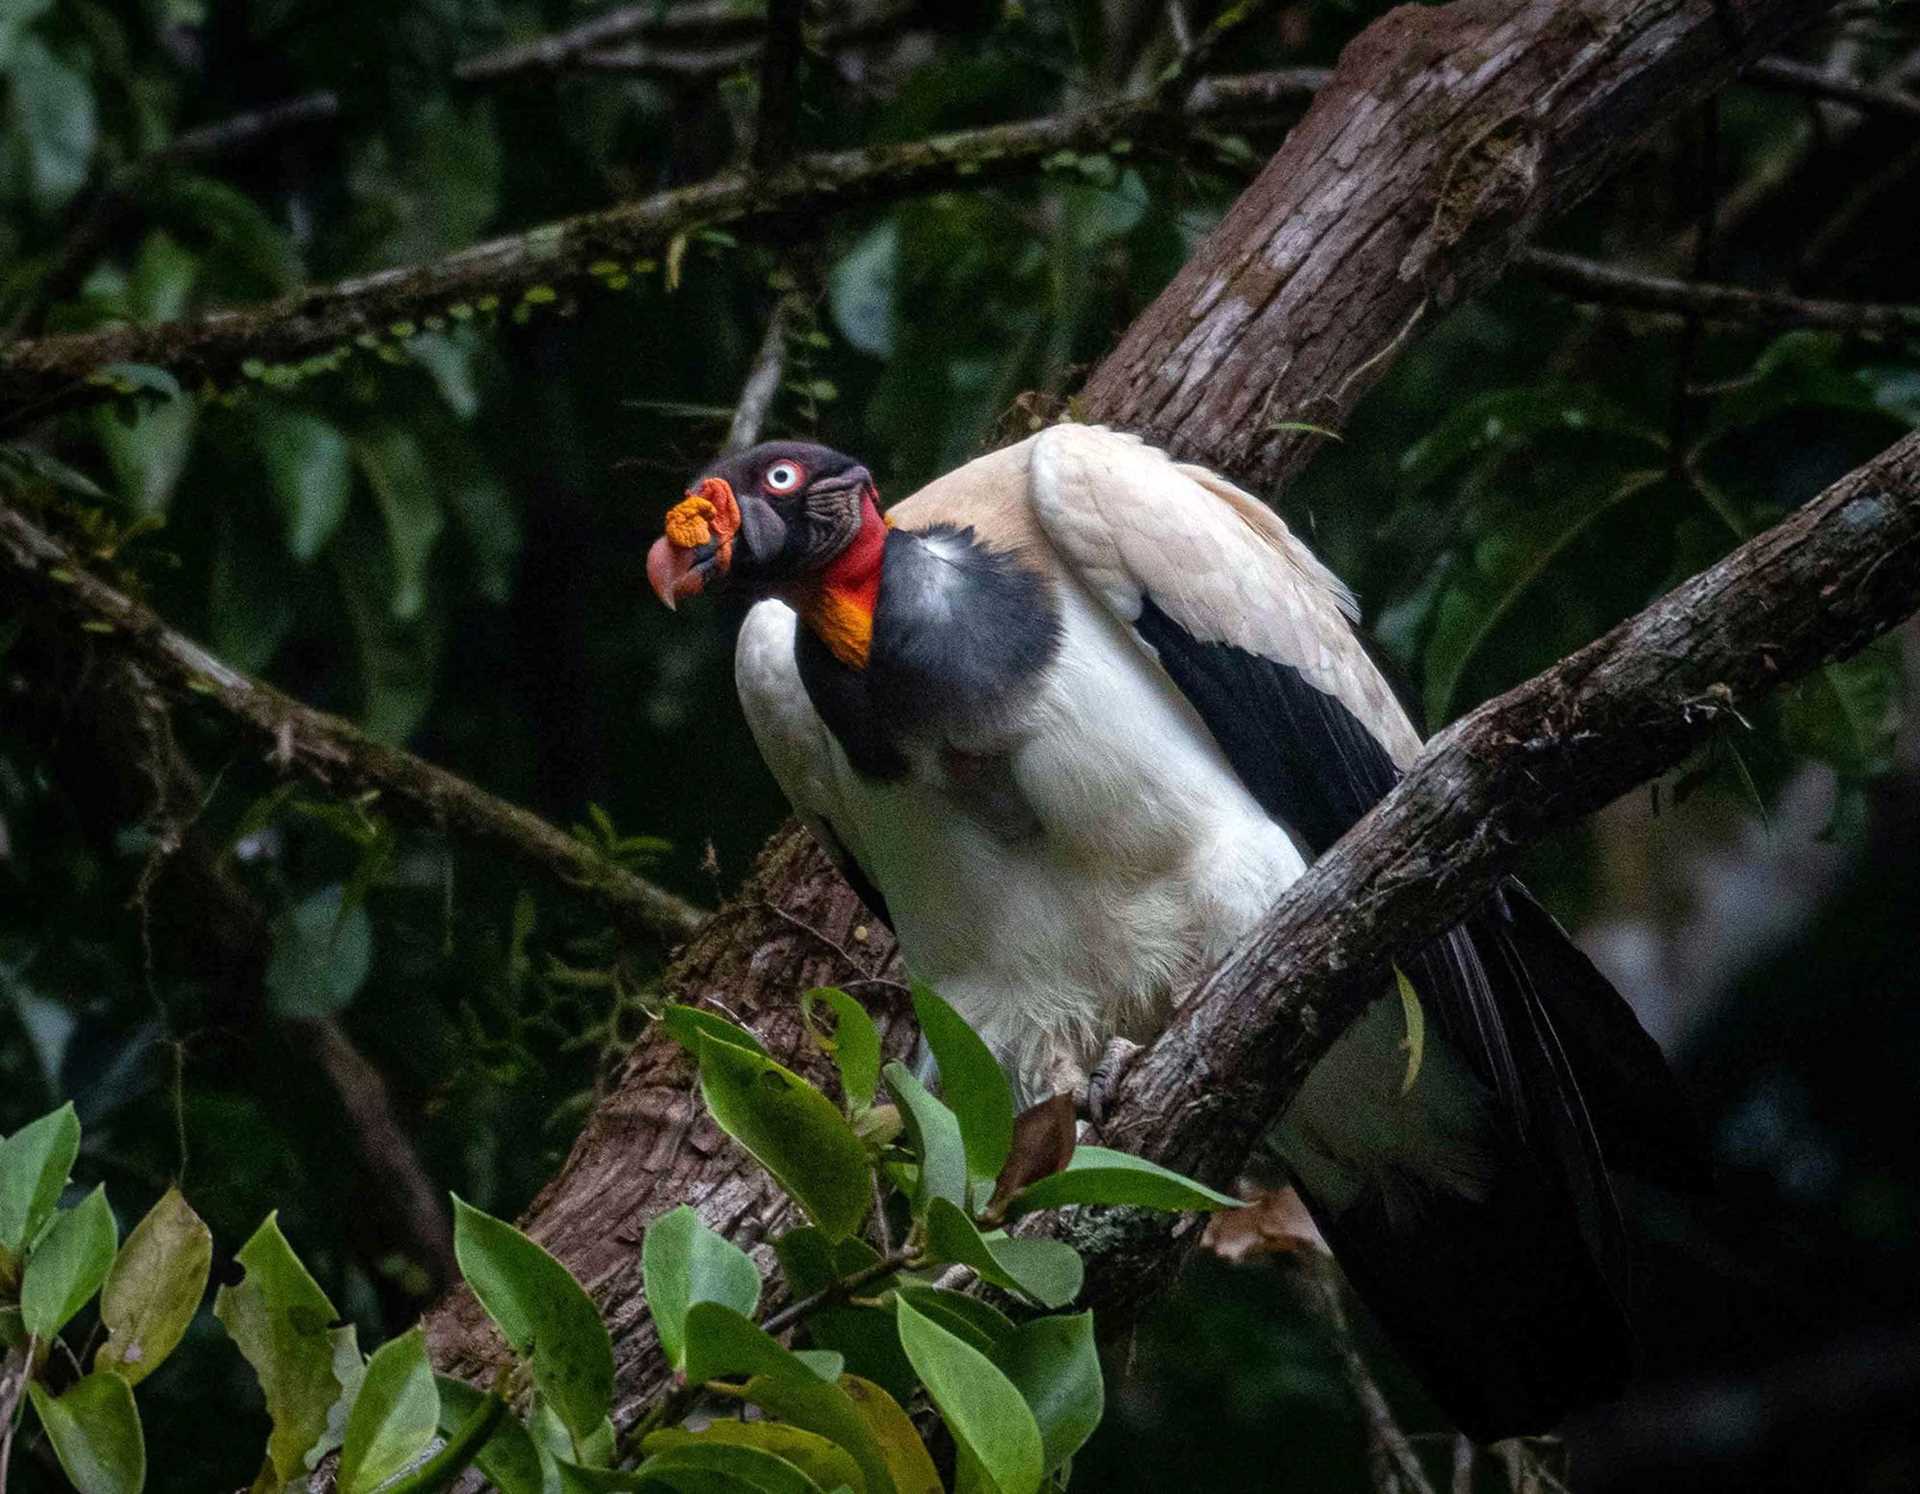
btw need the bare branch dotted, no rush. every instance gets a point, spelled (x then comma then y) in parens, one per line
(1592, 280)
(597, 253)
(1178, 81)
(763, 379)
(1789, 76)
(323, 747)
(688, 27)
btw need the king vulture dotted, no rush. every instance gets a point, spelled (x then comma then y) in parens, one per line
(1070, 718)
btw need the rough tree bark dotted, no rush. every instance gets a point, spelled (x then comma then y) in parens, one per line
(1443, 138)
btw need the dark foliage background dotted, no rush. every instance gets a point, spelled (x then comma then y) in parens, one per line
(447, 547)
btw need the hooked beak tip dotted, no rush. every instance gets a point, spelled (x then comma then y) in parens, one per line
(672, 573)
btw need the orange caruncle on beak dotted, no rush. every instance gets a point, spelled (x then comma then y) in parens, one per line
(708, 515)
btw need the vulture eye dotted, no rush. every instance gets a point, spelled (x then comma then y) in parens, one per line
(784, 477)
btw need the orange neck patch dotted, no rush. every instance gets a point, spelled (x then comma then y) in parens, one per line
(839, 605)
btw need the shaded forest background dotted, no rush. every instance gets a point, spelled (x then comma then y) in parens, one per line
(443, 537)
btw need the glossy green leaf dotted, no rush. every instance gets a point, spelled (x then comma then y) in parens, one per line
(322, 953)
(542, 1312)
(982, 1408)
(1415, 1042)
(812, 1262)
(394, 1416)
(1046, 1271)
(827, 1465)
(972, 1083)
(867, 1342)
(1097, 1175)
(733, 1465)
(309, 471)
(765, 1456)
(830, 1411)
(34, 1163)
(935, 1133)
(686, 1025)
(792, 1130)
(685, 1262)
(976, 1320)
(68, 1264)
(279, 1319)
(723, 1343)
(510, 1460)
(148, 450)
(1055, 1365)
(51, 112)
(1848, 714)
(154, 1288)
(95, 1431)
(403, 486)
(854, 1042)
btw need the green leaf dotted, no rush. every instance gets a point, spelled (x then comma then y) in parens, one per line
(978, 1321)
(53, 115)
(238, 238)
(721, 1342)
(868, 1342)
(935, 1133)
(309, 469)
(1055, 1365)
(403, 485)
(1415, 1042)
(510, 1460)
(148, 453)
(249, 593)
(34, 1163)
(394, 1416)
(686, 1025)
(154, 1288)
(1097, 1175)
(542, 1312)
(726, 1466)
(813, 1263)
(982, 1408)
(972, 1083)
(67, 1266)
(279, 1319)
(95, 1431)
(792, 1130)
(684, 1262)
(825, 1464)
(1798, 370)
(1046, 1271)
(837, 1412)
(854, 1042)
(322, 952)
(1505, 569)
(1847, 715)
(860, 290)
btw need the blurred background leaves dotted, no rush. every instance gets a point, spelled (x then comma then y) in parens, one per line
(441, 536)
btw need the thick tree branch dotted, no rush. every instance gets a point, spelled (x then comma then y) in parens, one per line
(590, 254)
(1444, 136)
(1611, 285)
(323, 747)
(1500, 113)
(1634, 704)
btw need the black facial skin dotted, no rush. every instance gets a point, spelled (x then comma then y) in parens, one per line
(785, 535)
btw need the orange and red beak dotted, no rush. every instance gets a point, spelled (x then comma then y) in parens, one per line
(698, 542)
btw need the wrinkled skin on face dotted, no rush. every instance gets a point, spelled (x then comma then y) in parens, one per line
(762, 521)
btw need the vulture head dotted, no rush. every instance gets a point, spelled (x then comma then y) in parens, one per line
(772, 520)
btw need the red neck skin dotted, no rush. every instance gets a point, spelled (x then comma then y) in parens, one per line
(854, 575)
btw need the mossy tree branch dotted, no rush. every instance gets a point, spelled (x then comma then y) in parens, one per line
(597, 254)
(321, 747)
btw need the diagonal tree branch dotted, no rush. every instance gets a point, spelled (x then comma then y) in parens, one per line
(313, 328)
(323, 747)
(1613, 285)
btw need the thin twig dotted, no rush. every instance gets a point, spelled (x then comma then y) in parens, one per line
(1173, 86)
(704, 22)
(836, 946)
(1395, 1466)
(323, 747)
(763, 379)
(795, 1313)
(1790, 76)
(14, 1372)
(1613, 285)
